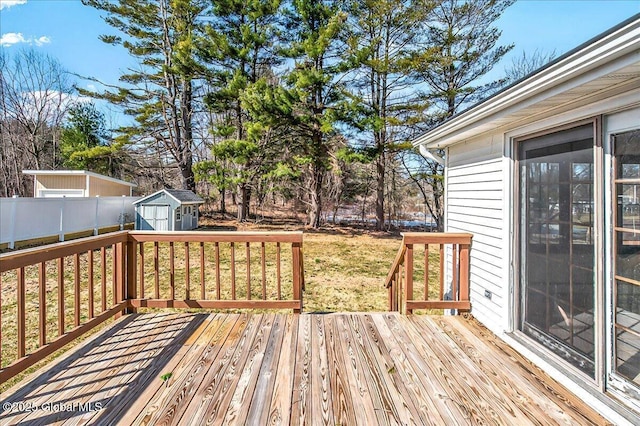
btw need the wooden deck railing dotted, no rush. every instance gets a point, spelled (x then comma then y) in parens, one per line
(52, 295)
(401, 278)
(218, 270)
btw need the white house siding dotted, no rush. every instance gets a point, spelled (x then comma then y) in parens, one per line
(475, 204)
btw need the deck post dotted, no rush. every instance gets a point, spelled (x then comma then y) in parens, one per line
(464, 272)
(408, 276)
(131, 274)
(297, 280)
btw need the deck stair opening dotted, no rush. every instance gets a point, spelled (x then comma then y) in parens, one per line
(451, 252)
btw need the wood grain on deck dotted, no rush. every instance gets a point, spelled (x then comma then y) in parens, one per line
(336, 369)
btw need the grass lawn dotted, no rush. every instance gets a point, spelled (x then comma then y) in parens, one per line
(345, 270)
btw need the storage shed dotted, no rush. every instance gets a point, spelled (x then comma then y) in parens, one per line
(77, 183)
(168, 210)
(546, 176)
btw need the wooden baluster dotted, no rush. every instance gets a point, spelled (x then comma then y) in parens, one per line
(233, 271)
(203, 294)
(156, 269)
(90, 284)
(21, 300)
(42, 301)
(76, 289)
(408, 273)
(278, 272)
(103, 277)
(60, 296)
(390, 296)
(114, 277)
(426, 272)
(172, 271)
(217, 262)
(141, 254)
(248, 272)
(187, 272)
(400, 294)
(441, 271)
(264, 272)
(454, 265)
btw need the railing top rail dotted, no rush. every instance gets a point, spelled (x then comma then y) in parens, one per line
(32, 256)
(216, 236)
(396, 264)
(436, 238)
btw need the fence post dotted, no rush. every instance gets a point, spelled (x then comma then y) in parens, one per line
(95, 223)
(122, 215)
(14, 209)
(61, 233)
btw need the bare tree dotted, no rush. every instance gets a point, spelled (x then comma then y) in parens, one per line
(35, 92)
(523, 65)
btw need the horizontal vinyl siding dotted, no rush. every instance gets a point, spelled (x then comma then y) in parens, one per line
(475, 204)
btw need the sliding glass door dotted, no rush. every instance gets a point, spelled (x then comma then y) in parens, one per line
(557, 285)
(626, 238)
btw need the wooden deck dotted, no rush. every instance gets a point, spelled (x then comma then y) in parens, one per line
(255, 369)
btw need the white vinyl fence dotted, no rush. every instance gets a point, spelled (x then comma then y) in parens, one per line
(30, 218)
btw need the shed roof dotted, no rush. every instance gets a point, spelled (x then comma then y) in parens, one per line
(76, 173)
(605, 66)
(183, 196)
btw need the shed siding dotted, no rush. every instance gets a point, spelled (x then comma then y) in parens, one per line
(475, 204)
(105, 188)
(60, 182)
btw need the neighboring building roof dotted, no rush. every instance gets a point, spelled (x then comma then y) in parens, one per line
(605, 66)
(75, 173)
(183, 196)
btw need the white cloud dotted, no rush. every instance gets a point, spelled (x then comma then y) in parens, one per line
(8, 3)
(9, 39)
(91, 87)
(42, 40)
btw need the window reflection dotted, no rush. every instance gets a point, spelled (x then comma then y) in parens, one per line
(627, 256)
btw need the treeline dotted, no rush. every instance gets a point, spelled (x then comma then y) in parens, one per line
(305, 100)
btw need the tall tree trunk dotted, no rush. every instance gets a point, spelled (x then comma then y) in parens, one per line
(316, 198)
(243, 202)
(186, 165)
(380, 172)
(223, 203)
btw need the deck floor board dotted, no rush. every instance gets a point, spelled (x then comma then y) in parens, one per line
(279, 369)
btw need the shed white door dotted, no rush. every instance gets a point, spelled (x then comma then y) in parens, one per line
(154, 218)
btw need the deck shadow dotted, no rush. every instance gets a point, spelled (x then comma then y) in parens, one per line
(124, 394)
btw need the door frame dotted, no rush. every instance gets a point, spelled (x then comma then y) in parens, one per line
(598, 381)
(615, 384)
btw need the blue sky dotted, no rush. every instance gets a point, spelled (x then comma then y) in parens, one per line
(69, 31)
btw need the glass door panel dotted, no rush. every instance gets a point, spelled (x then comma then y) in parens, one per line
(627, 255)
(556, 243)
